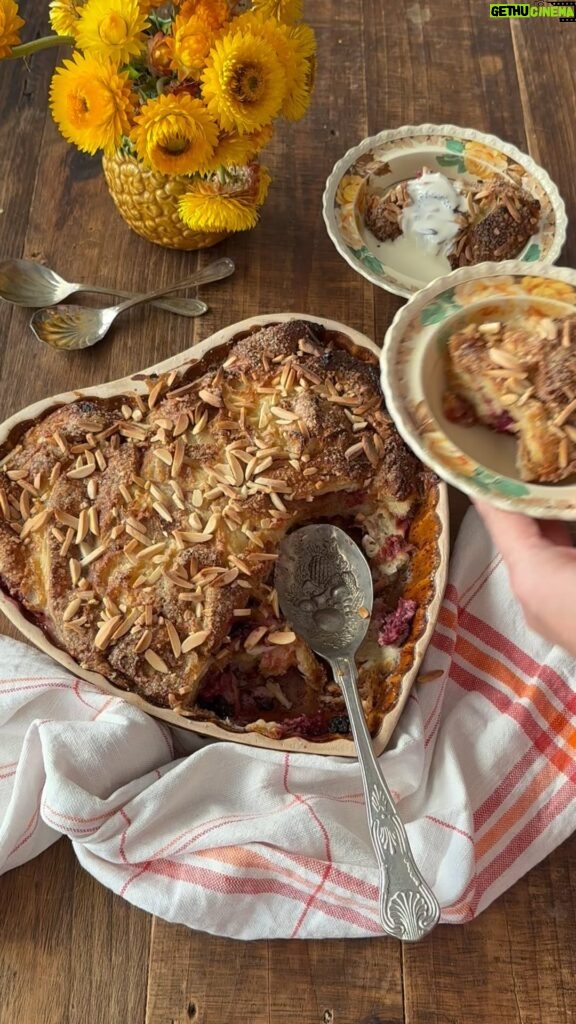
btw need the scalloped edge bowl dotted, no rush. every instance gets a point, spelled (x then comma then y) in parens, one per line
(476, 460)
(455, 152)
(341, 748)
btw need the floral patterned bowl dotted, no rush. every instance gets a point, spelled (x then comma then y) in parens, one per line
(474, 459)
(384, 160)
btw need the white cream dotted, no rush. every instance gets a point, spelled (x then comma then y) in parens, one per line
(431, 217)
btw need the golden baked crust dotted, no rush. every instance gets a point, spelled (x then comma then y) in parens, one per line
(141, 531)
(519, 379)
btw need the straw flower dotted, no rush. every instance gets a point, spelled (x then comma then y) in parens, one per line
(190, 89)
(10, 25)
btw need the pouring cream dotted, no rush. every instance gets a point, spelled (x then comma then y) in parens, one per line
(431, 218)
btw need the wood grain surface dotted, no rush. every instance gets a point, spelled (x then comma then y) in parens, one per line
(70, 951)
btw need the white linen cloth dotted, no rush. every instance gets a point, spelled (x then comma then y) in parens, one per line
(251, 843)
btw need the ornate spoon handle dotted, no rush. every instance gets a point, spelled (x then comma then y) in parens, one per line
(408, 907)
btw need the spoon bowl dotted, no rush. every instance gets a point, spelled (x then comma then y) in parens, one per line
(25, 283)
(75, 327)
(324, 587)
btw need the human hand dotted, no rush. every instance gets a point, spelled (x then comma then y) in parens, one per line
(541, 564)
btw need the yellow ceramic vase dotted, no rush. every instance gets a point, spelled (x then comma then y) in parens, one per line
(148, 202)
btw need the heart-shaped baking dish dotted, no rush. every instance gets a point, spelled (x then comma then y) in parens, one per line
(223, 339)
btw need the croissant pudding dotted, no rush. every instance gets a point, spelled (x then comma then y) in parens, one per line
(140, 531)
(519, 378)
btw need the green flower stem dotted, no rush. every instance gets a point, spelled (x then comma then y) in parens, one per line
(45, 43)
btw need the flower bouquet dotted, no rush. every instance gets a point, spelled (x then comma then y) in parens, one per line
(180, 98)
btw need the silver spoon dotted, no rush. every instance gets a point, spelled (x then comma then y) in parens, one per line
(25, 283)
(324, 588)
(71, 327)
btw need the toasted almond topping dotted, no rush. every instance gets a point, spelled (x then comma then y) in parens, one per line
(60, 442)
(254, 637)
(4, 504)
(226, 578)
(80, 473)
(35, 522)
(210, 398)
(236, 467)
(565, 414)
(157, 663)
(181, 424)
(240, 564)
(173, 638)
(212, 523)
(506, 359)
(104, 634)
(92, 488)
(283, 414)
(194, 537)
(155, 393)
(71, 609)
(144, 642)
(566, 334)
(491, 328)
(363, 612)
(162, 511)
(67, 542)
(194, 640)
(126, 625)
(242, 613)
(197, 498)
(94, 555)
(563, 453)
(126, 411)
(179, 453)
(75, 570)
(354, 450)
(281, 637)
(200, 425)
(24, 504)
(277, 502)
(82, 526)
(164, 455)
(100, 460)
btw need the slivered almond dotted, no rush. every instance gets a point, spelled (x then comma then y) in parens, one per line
(157, 663)
(152, 549)
(194, 640)
(253, 638)
(144, 642)
(126, 494)
(35, 522)
(200, 425)
(240, 564)
(240, 613)
(226, 578)
(194, 537)
(181, 424)
(75, 570)
(80, 473)
(565, 414)
(236, 467)
(281, 637)
(277, 502)
(94, 555)
(501, 358)
(491, 328)
(173, 638)
(104, 634)
(155, 393)
(179, 453)
(354, 450)
(99, 456)
(210, 398)
(197, 498)
(566, 334)
(4, 506)
(164, 455)
(283, 414)
(91, 488)
(71, 609)
(67, 542)
(93, 521)
(162, 511)
(212, 523)
(83, 526)
(60, 442)
(126, 625)
(137, 535)
(24, 504)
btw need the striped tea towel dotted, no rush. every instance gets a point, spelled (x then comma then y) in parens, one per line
(258, 844)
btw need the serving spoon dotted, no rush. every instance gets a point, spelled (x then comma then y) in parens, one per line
(325, 591)
(72, 327)
(25, 283)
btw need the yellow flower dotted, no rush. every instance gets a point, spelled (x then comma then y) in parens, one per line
(295, 47)
(91, 103)
(64, 16)
(234, 149)
(549, 289)
(212, 206)
(282, 10)
(243, 83)
(190, 45)
(482, 160)
(174, 134)
(111, 29)
(214, 13)
(10, 25)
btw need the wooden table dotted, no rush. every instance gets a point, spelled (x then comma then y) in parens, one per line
(71, 952)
